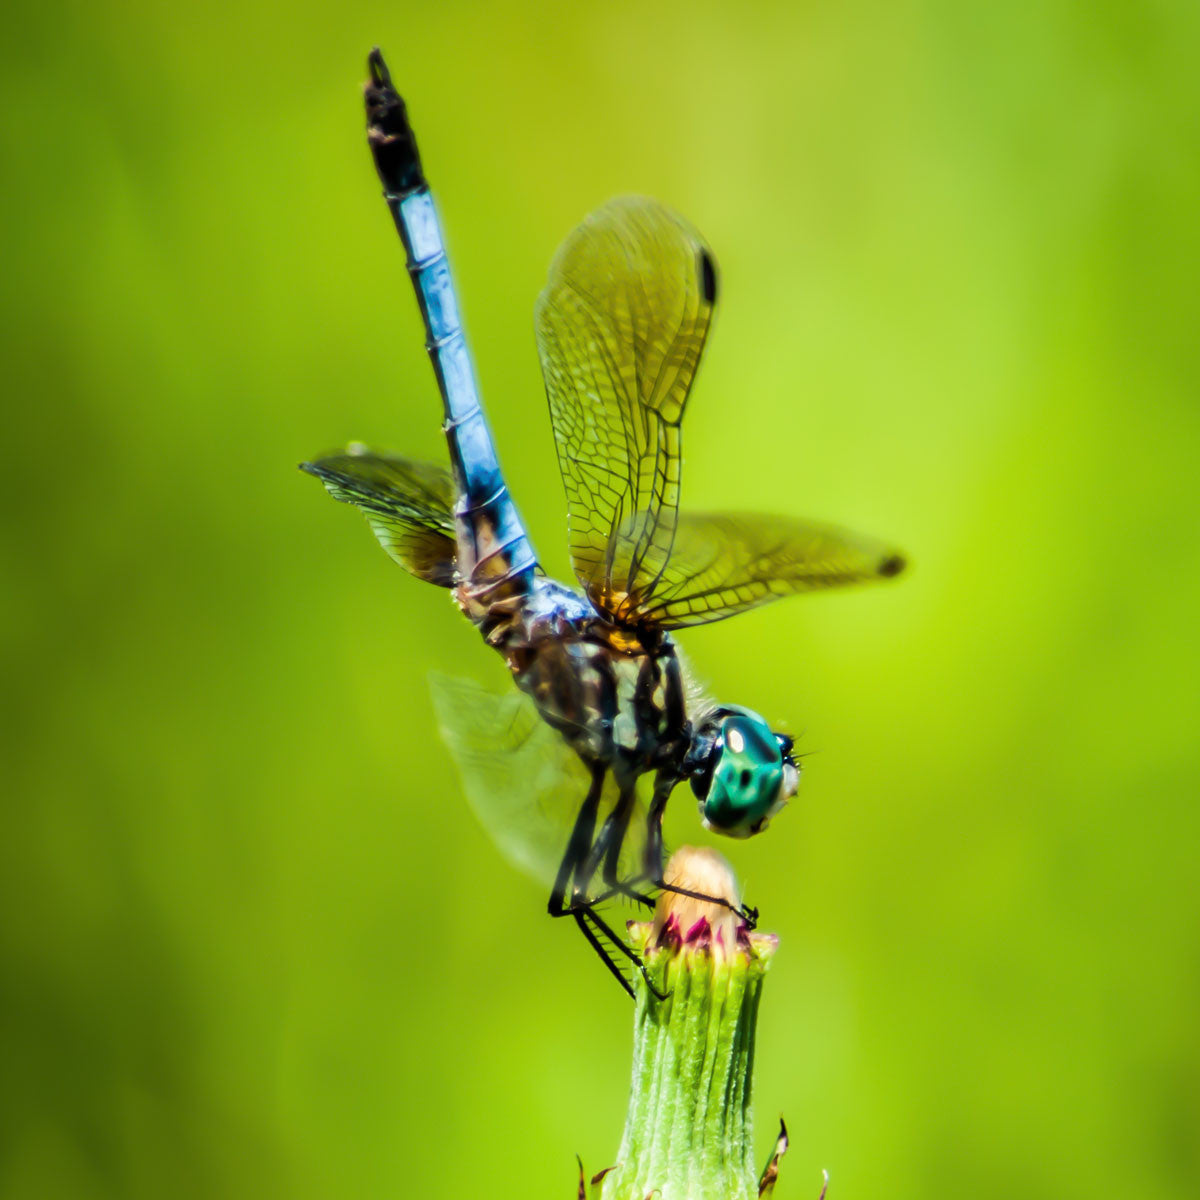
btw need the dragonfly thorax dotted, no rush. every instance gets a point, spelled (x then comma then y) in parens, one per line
(617, 699)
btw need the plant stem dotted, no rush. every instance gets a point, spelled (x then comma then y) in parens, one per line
(688, 1131)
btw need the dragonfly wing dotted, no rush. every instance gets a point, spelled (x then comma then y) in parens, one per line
(408, 504)
(521, 779)
(724, 563)
(621, 326)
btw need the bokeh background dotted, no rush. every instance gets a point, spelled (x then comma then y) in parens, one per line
(253, 942)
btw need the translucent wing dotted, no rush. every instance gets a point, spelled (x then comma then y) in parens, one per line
(408, 504)
(620, 327)
(725, 563)
(521, 779)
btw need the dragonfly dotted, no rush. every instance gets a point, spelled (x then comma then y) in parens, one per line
(601, 701)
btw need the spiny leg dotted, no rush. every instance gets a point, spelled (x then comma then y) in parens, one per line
(581, 920)
(652, 870)
(652, 853)
(586, 912)
(574, 862)
(607, 849)
(748, 914)
(579, 844)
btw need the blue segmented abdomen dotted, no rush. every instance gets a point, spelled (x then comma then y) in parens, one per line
(493, 547)
(490, 532)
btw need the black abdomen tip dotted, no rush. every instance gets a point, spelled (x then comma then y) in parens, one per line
(892, 565)
(377, 68)
(389, 134)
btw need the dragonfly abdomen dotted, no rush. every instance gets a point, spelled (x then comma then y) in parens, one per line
(493, 546)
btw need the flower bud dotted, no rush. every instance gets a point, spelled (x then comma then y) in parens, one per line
(683, 920)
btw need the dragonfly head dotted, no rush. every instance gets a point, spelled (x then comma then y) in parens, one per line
(742, 772)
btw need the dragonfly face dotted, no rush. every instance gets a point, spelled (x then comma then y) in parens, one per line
(743, 773)
(553, 769)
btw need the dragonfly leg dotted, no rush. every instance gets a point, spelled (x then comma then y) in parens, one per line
(581, 916)
(626, 888)
(580, 861)
(652, 869)
(578, 846)
(585, 913)
(590, 924)
(748, 914)
(664, 782)
(607, 849)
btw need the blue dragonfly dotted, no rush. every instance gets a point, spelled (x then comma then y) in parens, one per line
(601, 700)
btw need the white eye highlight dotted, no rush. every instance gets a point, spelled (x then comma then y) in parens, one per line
(735, 741)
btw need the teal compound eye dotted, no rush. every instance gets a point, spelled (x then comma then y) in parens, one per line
(752, 777)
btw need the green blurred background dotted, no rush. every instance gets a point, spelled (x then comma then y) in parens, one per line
(253, 942)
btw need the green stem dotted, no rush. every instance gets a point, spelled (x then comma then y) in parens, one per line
(688, 1132)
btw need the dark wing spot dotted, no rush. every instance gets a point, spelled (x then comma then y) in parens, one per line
(892, 565)
(708, 277)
